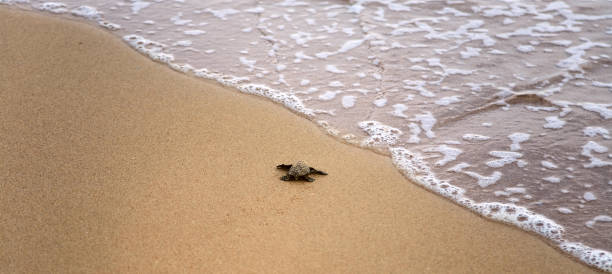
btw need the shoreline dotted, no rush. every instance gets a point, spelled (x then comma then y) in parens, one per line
(264, 220)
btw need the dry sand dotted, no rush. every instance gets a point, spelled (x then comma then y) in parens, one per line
(113, 163)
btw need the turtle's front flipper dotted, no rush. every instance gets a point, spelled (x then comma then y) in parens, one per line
(314, 171)
(286, 167)
(308, 179)
(287, 178)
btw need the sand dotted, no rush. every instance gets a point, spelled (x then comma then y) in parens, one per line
(113, 163)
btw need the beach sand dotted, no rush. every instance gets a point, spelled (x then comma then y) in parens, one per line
(113, 163)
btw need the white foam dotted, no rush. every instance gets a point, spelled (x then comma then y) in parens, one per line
(137, 6)
(194, 32)
(483, 180)
(475, 137)
(536, 109)
(445, 101)
(454, 12)
(328, 95)
(247, 62)
(594, 131)
(86, 12)
(602, 109)
(153, 49)
(450, 153)
(565, 210)
(413, 166)
(380, 134)
(595, 257)
(398, 110)
(427, 121)
(419, 86)
(549, 165)
(222, 13)
(470, 52)
(587, 151)
(552, 179)
(348, 101)
(54, 7)
(177, 20)
(499, 193)
(415, 131)
(553, 122)
(380, 102)
(288, 100)
(505, 157)
(599, 218)
(576, 53)
(589, 196)
(183, 43)
(515, 190)
(517, 138)
(525, 48)
(300, 55)
(334, 69)
(348, 45)
(602, 84)
(335, 84)
(563, 43)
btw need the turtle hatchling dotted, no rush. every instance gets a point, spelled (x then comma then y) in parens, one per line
(299, 171)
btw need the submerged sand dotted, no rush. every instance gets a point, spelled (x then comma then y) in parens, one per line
(113, 163)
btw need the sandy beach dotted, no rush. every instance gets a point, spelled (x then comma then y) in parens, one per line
(113, 163)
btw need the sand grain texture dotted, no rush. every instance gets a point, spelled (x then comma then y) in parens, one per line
(114, 163)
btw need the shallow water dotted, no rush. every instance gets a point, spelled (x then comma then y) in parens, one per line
(502, 106)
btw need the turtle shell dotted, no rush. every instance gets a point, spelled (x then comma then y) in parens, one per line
(299, 169)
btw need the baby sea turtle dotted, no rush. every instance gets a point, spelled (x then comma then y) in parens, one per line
(299, 171)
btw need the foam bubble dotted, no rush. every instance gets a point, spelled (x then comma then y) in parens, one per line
(445, 101)
(552, 179)
(475, 137)
(86, 12)
(525, 48)
(348, 101)
(549, 165)
(380, 134)
(517, 138)
(505, 157)
(153, 49)
(54, 7)
(334, 69)
(449, 153)
(553, 122)
(427, 122)
(194, 32)
(589, 196)
(599, 218)
(587, 151)
(602, 109)
(594, 131)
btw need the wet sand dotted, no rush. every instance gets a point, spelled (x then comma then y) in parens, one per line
(113, 163)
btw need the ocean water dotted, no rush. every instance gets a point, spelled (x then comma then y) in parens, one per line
(504, 107)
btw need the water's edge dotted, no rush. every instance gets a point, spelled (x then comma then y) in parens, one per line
(411, 164)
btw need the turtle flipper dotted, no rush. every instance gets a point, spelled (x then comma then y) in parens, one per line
(287, 178)
(283, 166)
(314, 171)
(308, 179)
